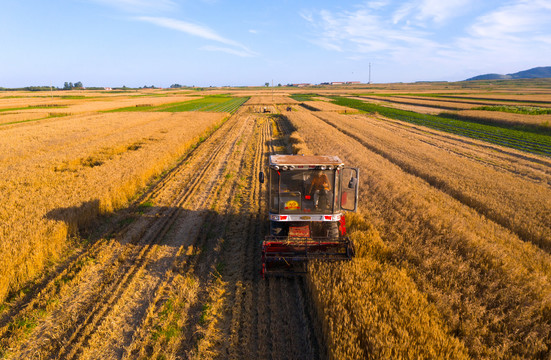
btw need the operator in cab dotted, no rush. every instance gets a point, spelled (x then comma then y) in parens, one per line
(319, 189)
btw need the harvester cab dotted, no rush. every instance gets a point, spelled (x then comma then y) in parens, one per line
(307, 198)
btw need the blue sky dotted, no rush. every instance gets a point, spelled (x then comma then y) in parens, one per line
(218, 42)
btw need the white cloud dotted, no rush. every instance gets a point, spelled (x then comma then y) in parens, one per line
(308, 16)
(419, 35)
(199, 31)
(365, 31)
(510, 38)
(139, 6)
(231, 51)
(377, 4)
(402, 13)
(422, 12)
(519, 17)
(149, 6)
(442, 10)
(518, 29)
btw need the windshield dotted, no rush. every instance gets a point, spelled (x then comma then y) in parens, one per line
(302, 191)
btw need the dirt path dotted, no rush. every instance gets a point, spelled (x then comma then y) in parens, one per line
(178, 274)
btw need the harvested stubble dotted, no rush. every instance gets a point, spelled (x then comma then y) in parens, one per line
(490, 290)
(516, 189)
(26, 101)
(455, 100)
(270, 99)
(59, 175)
(327, 106)
(85, 105)
(422, 102)
(505, 118)
(526, 97)
(523, 139)
(14, 117)
(417, 108)
(106, 103)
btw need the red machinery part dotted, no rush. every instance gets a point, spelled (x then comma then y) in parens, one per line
(342, 226)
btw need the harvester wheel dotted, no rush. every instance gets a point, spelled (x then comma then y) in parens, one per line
(332, 229)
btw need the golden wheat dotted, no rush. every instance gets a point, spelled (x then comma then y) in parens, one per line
(476, 176)
(59, 175)
(269, 99)
(327, 106)
(505, 117)
(491, 289)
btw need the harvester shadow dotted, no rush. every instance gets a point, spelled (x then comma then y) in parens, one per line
(203, 242)
(76, 217)
(203, 245)
(274, 143)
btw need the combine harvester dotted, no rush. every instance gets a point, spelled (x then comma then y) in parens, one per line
(307, 197)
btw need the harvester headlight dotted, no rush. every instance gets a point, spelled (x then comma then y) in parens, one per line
(276, 168)
(322, 167)
(284, 167)
(329, 167)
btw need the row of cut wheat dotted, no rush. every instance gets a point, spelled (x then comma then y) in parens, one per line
(478, 288)
(513, 189)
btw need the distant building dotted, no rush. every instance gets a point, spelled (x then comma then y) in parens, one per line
(107, 88)
(337, 83)
(301, 85)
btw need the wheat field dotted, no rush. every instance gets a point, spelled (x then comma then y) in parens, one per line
(434, 244)
(60, 174)
(131, 226)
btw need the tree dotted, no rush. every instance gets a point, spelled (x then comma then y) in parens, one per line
(78, 85)
(66, 86)
(267, 84)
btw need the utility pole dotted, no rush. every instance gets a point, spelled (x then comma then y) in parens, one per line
(369, 73)
(272, 90)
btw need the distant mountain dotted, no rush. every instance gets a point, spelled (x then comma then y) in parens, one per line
(537, 72)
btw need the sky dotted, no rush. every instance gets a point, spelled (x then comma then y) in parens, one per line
(138, 43)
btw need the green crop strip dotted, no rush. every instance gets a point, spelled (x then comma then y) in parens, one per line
(529, 110)
(500, 135)
(455, 96)
(207, 104)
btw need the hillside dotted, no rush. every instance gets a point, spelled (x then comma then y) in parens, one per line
(534, 73)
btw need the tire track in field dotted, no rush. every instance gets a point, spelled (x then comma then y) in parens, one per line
(45, 292)
(265, 318)
(199, 268)
(116, 276)
(233, 258)
(36, 299)
(195, 198)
